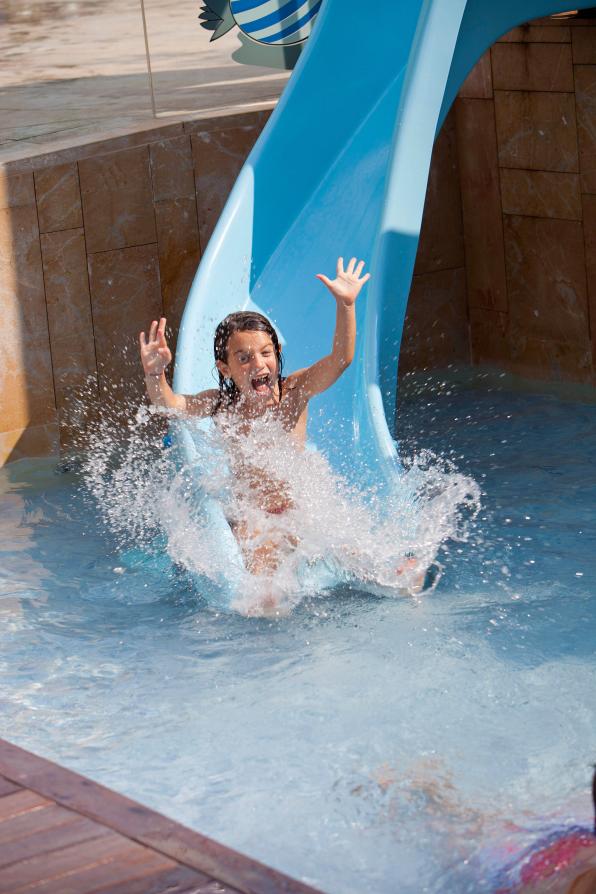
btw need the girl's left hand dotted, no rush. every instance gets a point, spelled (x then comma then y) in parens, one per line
(347, 284)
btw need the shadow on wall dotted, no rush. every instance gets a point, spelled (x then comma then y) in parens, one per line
(436, 331)
(96, 242)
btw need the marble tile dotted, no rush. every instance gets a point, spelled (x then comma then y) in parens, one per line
(499, 343)
(179, 253)
(541, 194)
(141, 133)
(22, 297)
(171, 169)
(16, 190)
(538, 33)
(488, 340)
(532, 66)
(117, 200)
(436, 326)
(26, 382)
(481, 203)
(125, 297)
(583, 43)
(213, 122)
(58, 198)
(218, 156)
(479, 83)
(548, 359)
(70, 322)
(38, 440)
(589, 207)
(546, 279)
(77, 148)
(585, 95)
(536, 130)
(441, 239)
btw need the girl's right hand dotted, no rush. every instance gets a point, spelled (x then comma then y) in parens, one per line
(155, 354)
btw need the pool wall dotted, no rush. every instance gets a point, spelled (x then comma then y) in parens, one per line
(98, 239)
(524, 273)
(95, 241)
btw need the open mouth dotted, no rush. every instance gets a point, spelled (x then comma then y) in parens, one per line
(262, 384)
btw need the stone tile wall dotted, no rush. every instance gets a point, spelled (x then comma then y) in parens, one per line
(96, 241)
(526, 142)
(436, 327)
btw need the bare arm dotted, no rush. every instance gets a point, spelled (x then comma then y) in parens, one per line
(345, 288)
(156, 357)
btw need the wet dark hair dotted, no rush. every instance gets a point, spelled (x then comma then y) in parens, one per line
(242, 321)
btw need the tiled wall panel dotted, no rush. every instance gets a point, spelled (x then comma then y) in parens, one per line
(26, 381)
(71, 326)
(479, 83)
(541, 194)
(218, 156)
(117, 199)
(585, 80)
(532, 66)
(96, 242)
(583, 42)
(547, 32)
(536, 130)
(545, 111)
(481, 202)
(125, 297)
(179, 253)
(437, 324)
(171, 169)
(546, 278)
(589, 210)
(441, 238)
(58, 198)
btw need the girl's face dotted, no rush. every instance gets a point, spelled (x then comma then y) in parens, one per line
(252, 364)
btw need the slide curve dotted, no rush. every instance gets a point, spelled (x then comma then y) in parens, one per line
(341, 168)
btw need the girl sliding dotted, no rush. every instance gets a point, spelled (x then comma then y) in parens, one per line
(251, 387)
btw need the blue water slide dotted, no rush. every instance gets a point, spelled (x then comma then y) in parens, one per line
(342, 168)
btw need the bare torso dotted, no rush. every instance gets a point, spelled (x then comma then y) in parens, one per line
(255, 485)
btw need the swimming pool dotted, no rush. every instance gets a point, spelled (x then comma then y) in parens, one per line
(360, 743)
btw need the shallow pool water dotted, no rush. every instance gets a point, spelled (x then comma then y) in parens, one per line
(360, 743)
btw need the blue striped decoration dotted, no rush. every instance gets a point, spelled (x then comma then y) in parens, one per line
(275, 21)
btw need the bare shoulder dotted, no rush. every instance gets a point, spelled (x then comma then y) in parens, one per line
(203, 403)
(294, 405)
(294, 379)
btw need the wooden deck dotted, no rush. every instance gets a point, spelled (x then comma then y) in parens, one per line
(61, 833)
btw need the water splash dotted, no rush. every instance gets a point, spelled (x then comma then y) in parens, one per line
(290, 512)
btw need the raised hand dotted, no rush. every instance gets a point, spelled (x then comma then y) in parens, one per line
(347, 284)
(155, 354)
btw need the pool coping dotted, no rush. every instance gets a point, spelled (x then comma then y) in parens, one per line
(142, 825)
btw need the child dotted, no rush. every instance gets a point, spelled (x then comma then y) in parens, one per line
(251, 386)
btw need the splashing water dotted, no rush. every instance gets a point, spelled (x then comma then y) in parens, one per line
(419, 744)
(290, 512)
